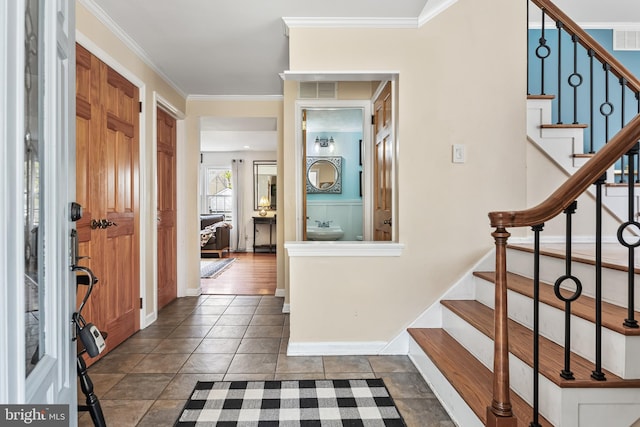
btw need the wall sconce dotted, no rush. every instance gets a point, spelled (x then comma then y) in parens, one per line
(324, 143)
(264, 204)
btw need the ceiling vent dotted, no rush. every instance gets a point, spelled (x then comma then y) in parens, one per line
(626, 39)
(318, 90)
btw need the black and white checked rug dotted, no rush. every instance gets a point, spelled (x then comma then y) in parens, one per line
(323, 403)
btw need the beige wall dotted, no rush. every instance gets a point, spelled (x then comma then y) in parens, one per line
(220, 108)
(461, 81)
(111, 50)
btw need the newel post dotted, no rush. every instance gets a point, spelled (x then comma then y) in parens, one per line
(499, 414)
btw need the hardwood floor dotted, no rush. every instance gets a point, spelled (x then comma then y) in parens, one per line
(250, 274)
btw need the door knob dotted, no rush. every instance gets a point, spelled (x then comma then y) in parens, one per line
(101, 223)
(387, 222)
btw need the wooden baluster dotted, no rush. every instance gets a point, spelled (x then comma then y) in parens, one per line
(499, 414)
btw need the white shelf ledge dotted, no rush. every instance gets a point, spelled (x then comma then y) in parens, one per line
(342, 249)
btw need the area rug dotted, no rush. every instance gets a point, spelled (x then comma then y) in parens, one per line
(291, 403)
(211, 268)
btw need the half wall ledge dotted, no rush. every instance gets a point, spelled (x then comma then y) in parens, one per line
(342, 249)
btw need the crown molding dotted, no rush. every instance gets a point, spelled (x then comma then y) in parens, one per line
(112, 26)
(432, 9)
(243, 98)
(397, 23)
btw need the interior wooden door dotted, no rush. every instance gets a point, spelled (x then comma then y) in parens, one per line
(107, 116)
(167, 274)
(383, 164)
(304, 174)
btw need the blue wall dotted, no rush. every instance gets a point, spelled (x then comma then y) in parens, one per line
(346, 145)
(343, 209)
(630, 59)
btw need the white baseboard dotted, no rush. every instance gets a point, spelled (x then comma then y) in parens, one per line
(149, 319)
(286, 308)
(281, 292)
(194, 292)
(362, 348)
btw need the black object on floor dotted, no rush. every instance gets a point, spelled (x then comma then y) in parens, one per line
(364, 402)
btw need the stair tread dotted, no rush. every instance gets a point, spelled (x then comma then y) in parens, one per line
(551, 354)
(471, 379)
(541, 96)
(584, 307)
(564, 126)
(620, 184)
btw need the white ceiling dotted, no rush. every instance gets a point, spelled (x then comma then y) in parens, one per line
(233, 47)
(239, 47)
(238, 134)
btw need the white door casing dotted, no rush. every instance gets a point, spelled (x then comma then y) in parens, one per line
(53, 379)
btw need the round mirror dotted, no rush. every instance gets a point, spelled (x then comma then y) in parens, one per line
(322, 174)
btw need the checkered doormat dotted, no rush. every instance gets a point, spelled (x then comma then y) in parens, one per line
(291, 403)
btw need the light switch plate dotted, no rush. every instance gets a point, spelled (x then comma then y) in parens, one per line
(458, 153)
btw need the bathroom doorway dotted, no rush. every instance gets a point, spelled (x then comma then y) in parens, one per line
(335, 192)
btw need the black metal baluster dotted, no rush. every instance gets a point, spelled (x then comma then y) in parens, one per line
(542, 52)
(606, 108)
(623, 176)
(634, 226)
(559, 25)
(566, 372)
(536, 323)
(528, 52)
(575, 79)
(591, 54)
(623, 86)
(597, 373)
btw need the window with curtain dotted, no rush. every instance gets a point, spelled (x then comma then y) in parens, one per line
(219, 192)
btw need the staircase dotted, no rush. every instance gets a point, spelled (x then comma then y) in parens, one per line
(456, 357)
(538, 335)
(564, 145)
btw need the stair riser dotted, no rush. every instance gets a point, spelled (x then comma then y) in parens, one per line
(559, 144)
(614, 289)
(619, 352)
(521, 378)
(563, 407)
(453, 403)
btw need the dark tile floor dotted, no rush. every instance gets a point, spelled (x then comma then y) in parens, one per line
(147, 379)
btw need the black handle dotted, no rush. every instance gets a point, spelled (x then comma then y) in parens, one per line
(101, 223)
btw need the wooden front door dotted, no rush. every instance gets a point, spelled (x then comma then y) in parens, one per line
(167, 275)
(107, 174)
(383, 165)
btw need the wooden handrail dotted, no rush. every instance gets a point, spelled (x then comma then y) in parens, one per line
(589, 42)
(577, 184)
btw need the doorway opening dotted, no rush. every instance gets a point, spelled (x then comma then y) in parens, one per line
(230, 148)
